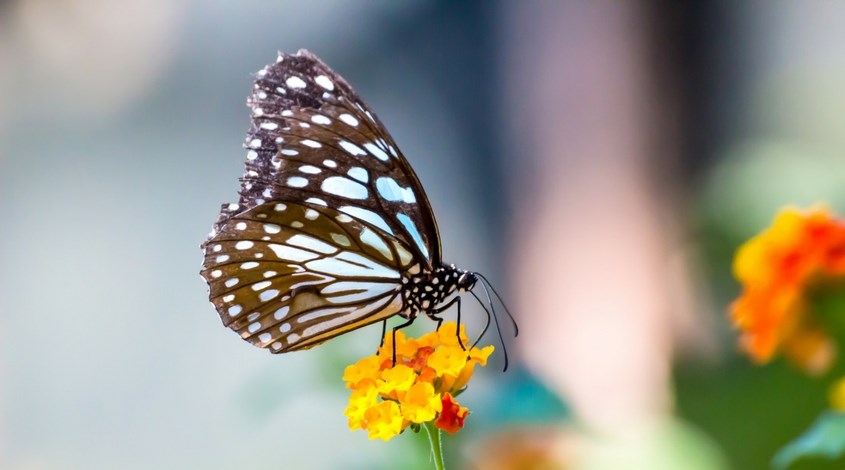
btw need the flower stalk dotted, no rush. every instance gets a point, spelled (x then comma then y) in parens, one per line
(436, 445)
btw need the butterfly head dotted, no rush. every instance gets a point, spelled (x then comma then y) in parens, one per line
(466, 280)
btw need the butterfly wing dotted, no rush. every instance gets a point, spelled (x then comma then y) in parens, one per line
(288, 276)
(314, 140)
(330, 215)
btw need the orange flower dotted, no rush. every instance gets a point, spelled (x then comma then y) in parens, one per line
(452, 417)
(418, 389)
(775, 269)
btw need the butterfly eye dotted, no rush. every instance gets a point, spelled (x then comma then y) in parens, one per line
(466, 281)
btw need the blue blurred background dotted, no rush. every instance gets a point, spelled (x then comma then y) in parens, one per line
(599, 161)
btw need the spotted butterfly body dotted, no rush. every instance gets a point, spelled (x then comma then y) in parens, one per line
(332, 230)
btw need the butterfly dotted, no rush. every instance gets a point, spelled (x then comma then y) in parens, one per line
(333, 230)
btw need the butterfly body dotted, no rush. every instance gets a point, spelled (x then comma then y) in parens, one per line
(428, 291)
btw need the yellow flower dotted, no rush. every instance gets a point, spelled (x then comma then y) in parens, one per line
(361, 400)
(448, 361)
(476, 356)
(421, 403)
(396, 380)
(386, 397)
(384, 420)
(365, 369)
(448, 335)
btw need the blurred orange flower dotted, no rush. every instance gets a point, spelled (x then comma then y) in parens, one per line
(776, 268)
(419, 388)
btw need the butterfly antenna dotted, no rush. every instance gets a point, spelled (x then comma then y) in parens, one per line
(498, 329)
(507, 310)
(486, 325)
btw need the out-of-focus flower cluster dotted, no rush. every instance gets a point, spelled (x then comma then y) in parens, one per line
(776, 268)
(421, 386)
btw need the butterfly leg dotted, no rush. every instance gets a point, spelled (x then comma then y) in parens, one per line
(455, 300)
(383, 332)
(396, 328)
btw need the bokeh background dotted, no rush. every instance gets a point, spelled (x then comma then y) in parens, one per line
(599, 161)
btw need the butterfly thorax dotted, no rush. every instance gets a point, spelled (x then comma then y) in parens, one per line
(425, 291)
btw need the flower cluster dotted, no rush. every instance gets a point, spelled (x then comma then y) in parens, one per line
(776, 268)
(421, 387)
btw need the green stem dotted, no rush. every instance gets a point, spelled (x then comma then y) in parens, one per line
(436, 445)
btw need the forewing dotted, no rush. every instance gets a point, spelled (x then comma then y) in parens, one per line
(314, 140)
(288, 276)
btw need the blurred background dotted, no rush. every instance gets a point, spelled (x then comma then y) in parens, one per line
(599, 161)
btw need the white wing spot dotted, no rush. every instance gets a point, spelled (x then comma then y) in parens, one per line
(272, 228)
(270, 273)
(254, 327)
(276, 346)
(268, 294)
(297, 224)
(311, 143)
(376, 151)
(287, 113)
(297, 182)
(415, 234)
(249, 265)
(244, 245)
(359, 174)
(330, 163)
(251, 155)
(353, 149)
(295, 82)
(292, 254)
(285, 327)
(367, 216)
(228, 298)
(340, 239)
(270, 126)
(222, 258)
(370, 238)
(317, 201)
(313, 170)
(280, 207)
(240, 226)
(234, 310)
(264, 337)
(233, 207)
(311, 243)
(260, 285)
(389, 189)
(232, 281)
(255, 143)
(216, 273)
(217, 248)
(320, 119)
(324, 82)
(349, 119)
(344, 187)
(343, 218)
(280, 313)
(311, 214)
